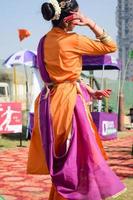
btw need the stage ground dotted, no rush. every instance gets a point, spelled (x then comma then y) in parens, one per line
(15, 184)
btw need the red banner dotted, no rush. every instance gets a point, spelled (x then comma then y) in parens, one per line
(10, 118)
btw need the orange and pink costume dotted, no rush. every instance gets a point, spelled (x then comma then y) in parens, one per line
(65, 142)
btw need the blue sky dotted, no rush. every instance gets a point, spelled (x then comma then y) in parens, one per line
(26, 14)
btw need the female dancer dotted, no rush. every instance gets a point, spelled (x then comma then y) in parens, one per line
(65, 142)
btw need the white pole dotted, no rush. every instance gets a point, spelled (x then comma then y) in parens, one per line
(118, 95)
(102, 77)
(27, 88)
(100, 101)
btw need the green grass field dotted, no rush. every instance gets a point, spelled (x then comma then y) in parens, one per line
(13, 140)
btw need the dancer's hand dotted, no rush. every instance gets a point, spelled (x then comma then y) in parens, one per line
(77, 18)
(99, 94)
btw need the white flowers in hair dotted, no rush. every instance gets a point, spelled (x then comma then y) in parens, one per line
(57, 9)
(58, 6)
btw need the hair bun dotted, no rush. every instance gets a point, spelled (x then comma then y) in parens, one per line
(48, 11)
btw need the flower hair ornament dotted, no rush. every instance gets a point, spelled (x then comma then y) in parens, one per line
(58, 6)
(65, 4)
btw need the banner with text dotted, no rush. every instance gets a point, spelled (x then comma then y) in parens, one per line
(10, 117)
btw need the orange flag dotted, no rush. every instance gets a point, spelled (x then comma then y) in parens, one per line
(23, 33)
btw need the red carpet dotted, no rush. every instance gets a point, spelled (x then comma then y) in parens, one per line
(15, 184)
